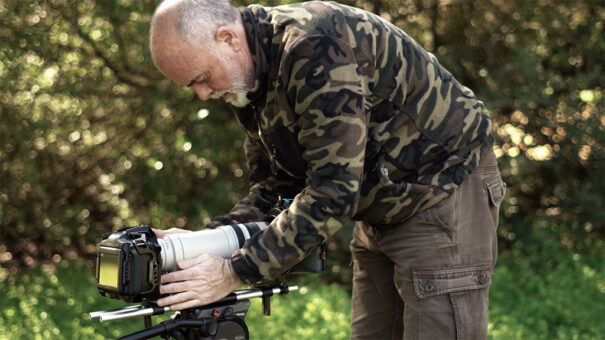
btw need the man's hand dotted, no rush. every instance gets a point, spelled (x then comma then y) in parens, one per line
(201, 280)
(159, 233)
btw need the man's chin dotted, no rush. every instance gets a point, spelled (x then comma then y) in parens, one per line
(238, 103)
(237, 99)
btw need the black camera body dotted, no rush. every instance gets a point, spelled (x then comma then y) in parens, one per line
(129, 265)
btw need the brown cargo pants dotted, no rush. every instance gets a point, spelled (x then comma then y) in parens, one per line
(429, 277)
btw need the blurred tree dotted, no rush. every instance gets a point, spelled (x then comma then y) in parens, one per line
(92, 138)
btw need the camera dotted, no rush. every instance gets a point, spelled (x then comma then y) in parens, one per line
(131, 260)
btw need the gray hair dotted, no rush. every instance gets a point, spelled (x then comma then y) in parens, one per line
(197, 20)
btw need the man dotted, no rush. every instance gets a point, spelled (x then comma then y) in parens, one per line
(353, 119)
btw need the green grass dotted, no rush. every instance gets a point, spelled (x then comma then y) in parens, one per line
(549, 294)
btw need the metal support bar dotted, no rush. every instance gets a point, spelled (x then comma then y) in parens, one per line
(128, 312)
(148, 310)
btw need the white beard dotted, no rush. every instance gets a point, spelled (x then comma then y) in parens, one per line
(238, 96)
(239, 90)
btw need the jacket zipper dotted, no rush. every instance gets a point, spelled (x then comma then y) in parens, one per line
(273, 158)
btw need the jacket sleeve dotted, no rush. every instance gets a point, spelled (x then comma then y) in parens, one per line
(325, 89)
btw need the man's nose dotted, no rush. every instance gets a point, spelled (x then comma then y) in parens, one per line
(203, 91)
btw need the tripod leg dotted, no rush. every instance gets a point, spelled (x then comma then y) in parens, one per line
(266, 305)
(147, 321)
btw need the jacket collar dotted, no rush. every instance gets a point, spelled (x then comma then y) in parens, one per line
(259, 34)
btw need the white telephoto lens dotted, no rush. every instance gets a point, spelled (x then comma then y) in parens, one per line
(222, 241)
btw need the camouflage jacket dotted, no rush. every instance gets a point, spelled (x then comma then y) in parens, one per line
(351, 118)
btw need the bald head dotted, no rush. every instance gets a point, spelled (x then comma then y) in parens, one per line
(202, 44)
(190, 22)
(194, 20)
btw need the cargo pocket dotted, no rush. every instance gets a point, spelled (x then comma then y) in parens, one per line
(468, 298)
(496, 189)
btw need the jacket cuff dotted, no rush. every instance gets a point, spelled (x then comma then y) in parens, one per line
(247, 272)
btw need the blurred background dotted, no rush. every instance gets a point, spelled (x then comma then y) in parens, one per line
(92, 139)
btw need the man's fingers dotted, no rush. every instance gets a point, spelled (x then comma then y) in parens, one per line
(187, 304)
(185, 299)
(170, 277)
(160, 233)
(176, 298)
(176, 287)
(182, 275)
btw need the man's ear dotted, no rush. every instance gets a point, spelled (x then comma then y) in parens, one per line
(226, 35)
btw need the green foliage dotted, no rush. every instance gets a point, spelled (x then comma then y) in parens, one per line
(546, 292)
(93, 138)
(316, 311)
(52, 302)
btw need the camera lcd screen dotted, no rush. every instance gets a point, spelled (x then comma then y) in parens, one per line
(109, 266)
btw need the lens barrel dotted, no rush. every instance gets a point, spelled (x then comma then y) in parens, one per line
(222, 241)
